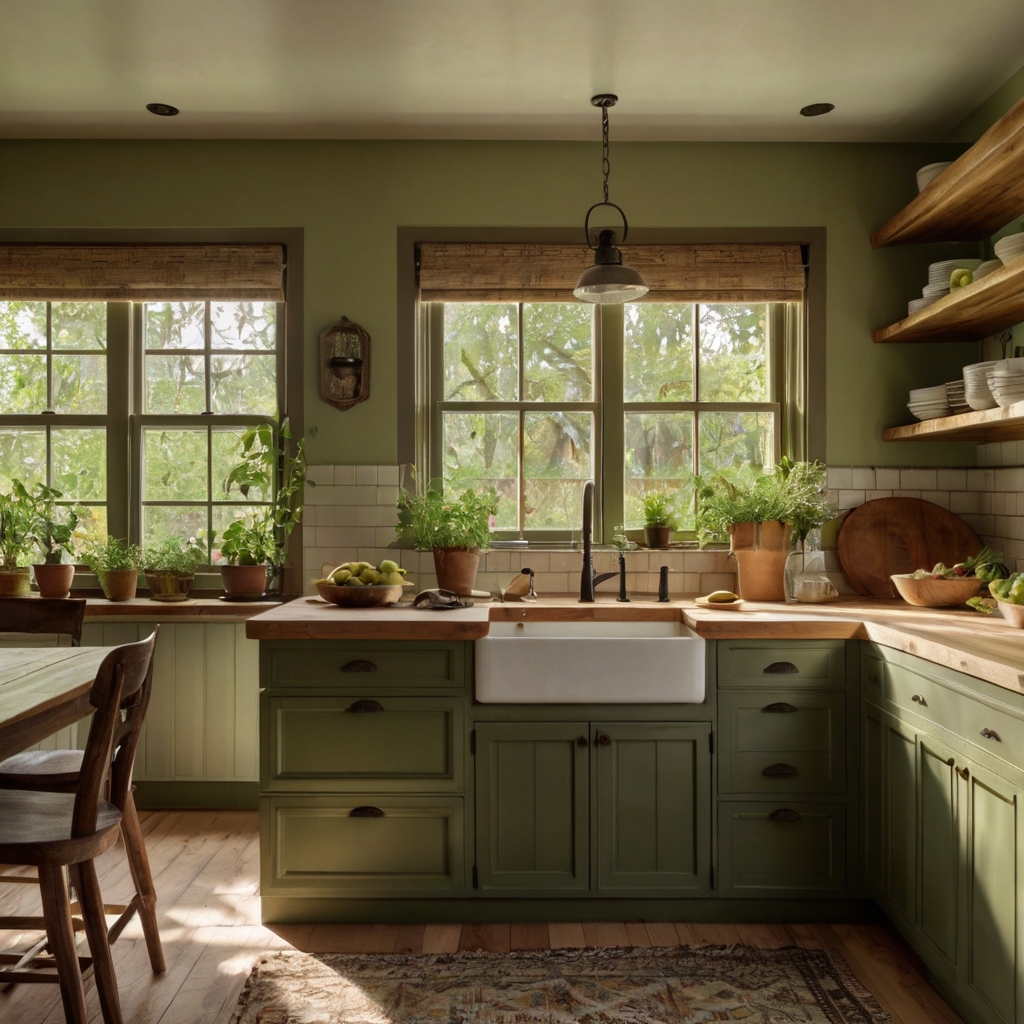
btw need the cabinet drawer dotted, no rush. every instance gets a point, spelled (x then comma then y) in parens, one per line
(782, 848)
(408, 666)
(872, 674)
(994, 731)
(362, 743)
(361, 844)
(788, 741)
(788, 663)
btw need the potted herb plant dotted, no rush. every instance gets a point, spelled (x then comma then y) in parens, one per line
(170, 568)
(660, 519)
(247, 546)
(272, 464)
(760, 512)
(454, 528)
(116, 564)
(15, 545)
(53, 529)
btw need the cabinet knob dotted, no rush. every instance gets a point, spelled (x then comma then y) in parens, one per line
(780, 668)
(784, 814)
(359, 665)
(780, 771)
(872, 678)
(603, 739)
(581, 741)
(991, 734)
(918, 699)
(779, 708)
(363, 707)
(950, 762)
(366, 812)
(964, 773)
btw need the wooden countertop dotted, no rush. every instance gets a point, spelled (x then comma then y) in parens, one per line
(193, 610)
(984, 646)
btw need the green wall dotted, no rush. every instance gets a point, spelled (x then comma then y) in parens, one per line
(351, 197)
(972, 127)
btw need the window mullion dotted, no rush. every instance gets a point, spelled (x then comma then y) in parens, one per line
(610, 428)
(521, 395)
(122, 453)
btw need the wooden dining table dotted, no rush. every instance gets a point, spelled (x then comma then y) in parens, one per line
(42, 690)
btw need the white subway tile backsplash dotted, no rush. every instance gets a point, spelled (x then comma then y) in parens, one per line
(364, 495)
(320, 474)
(918, 479)
(366, 475)
(388, 476)
(850, 499)
(345, 475)
(940, 498)
(951, 479)
(862, 479)
(840, 478)
(887, 479)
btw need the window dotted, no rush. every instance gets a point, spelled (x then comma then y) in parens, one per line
(535, 398)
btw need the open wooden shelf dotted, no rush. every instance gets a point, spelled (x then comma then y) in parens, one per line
(1003, 424)
(983, 308)
(982, 192)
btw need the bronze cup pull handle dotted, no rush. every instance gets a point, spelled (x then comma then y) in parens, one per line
(991, 734)
(603, 739)
(781, 668)
(366, 812)
(918, 699)
(359, 665)
(780, 771)
(964, 773)
(778, 708)
(581, 741)
(362, 707)
(784, 814)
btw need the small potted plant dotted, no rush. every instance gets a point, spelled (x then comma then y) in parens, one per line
(454, 528)
(15, 545)
(759, 513)
(116, 564)
(660, 519)
(53, 531)
(170, 568)
(247, 547)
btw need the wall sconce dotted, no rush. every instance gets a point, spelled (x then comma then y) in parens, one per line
(344, 364)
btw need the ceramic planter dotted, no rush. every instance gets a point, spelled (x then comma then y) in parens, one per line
(119, 584)
(760, 550)
(658, 536)
(243, 582)
(53, 579)
(15, 582)
(456, 569)
(168, 585)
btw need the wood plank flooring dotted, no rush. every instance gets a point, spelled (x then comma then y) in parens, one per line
(206, 869)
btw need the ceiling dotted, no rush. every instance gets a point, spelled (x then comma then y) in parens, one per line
(508, 69)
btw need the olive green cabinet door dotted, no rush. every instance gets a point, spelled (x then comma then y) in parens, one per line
(899, 808)
(532, 791)
(653, 804)
(991, 969)
(872, 798)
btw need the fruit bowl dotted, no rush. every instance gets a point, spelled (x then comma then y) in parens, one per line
(373, 596)
(936, 593)
(1013, 613)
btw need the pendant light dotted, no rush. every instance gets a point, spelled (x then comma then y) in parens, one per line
(608, 280)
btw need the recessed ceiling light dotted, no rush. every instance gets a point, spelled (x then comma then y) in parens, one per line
(162, 109)
(817, 109)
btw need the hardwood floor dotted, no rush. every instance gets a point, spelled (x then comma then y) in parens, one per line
(206, 869)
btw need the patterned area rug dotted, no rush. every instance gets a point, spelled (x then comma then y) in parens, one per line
(594, 986)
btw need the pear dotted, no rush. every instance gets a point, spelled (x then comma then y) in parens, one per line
(353, 581)
(369, 576)
(387, 566)
(339, 575)
(394, 579)
(722, 597)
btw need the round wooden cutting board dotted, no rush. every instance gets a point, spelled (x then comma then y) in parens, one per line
(894, 535)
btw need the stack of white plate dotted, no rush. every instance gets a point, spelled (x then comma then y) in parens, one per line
(929, 403)
(1010, 247)
(986, 268)
(916, 305)
(956, 397)
(976, 388)
(927, 174)
(940, 273)
(1006, 381)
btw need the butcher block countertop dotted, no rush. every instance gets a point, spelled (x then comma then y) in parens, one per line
(983, 646)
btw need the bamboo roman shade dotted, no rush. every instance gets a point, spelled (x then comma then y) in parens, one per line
(547, 272)
(141, 273)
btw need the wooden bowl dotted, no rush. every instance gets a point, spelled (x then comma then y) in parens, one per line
(937, 593)
(374, 596)
(1013, 613)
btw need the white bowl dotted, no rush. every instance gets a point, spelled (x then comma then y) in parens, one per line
(1010, 247)
(986, 268)
(927, 174)
(980, 404)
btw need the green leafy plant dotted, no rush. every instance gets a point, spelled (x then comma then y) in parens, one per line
(435, 520)
(16, 539)
(793, 493)
(273, 464)
(53, 523)
(658, 510)
(114, 556)
(175, 556)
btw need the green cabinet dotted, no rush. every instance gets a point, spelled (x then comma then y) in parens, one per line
(611, 807)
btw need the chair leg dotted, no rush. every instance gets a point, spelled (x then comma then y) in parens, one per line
(138, 863)
(91, 898)
(57, 912)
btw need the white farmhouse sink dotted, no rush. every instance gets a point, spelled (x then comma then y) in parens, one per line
(590, 663)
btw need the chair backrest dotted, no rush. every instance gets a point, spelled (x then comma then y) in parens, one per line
(121, 675)
(60, 616)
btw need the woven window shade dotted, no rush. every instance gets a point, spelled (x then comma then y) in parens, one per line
(141, 273)
(541, 272)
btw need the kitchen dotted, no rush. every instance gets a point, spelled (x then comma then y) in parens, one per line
(349, 204)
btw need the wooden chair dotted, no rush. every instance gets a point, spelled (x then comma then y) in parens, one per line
(58, 771)
(61, 617)
(54, 831)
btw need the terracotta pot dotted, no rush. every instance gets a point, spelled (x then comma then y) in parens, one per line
(119, 584)
(244, 581)
(456, 569)
(658, 536)
(760, 550)
(168, 585)
(54, 579)
(15, 582)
